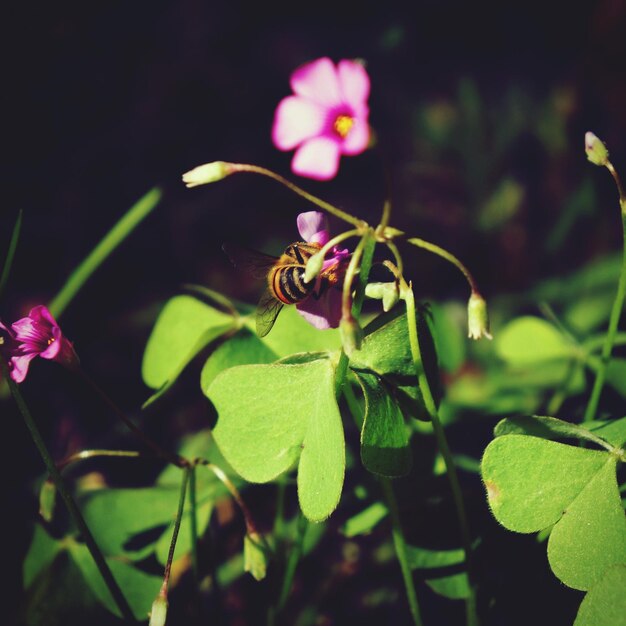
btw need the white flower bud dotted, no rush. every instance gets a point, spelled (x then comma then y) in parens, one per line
(207, 173)
(477, 317)
(595, 149)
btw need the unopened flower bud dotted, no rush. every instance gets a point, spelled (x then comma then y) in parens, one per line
(351, 335)
(254, 557)
(158, 614)
(47, 498)
(207, 173)
(595, 149)
(313, 267)
(477, 317)
(387, 292)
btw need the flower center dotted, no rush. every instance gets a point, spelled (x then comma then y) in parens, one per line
(50, 340)
(343, 125)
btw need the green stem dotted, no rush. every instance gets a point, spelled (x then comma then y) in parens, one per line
(333, 210)
(73, 509)
(351, 271)
(179, 517)
(386, 216)
(400, 546)
(398, 259)
(369, 244)
(367, 256)
(251, 527)
(279, 519)
(160, 452)
(8, 261)
(193, 522)
(397, 533)
(98, 255)
(292, 563)
(444, 449)
(597, 343)
(605, 357)
(92, 454)
(439, 251)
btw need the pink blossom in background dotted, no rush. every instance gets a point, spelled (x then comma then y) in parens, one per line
(325, 118)
(38, 334)
(324, 311)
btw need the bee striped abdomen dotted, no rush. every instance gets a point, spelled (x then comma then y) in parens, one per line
(287, 284)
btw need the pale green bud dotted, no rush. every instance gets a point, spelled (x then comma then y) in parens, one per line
(47, 499)
(387, 292)
(158, 614)
(254, 557)
(596, 150)
(477, 317)
(207, 173)
(351, 335)
(313, 267)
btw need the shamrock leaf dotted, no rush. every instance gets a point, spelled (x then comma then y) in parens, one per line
(533, 484)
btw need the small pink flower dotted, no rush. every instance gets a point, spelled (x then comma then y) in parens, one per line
(35, 335)
(323, 308)
(327, 116)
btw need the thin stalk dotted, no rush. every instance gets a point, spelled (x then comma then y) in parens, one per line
(8, 261)
(400, 547)
(92, 454)
(618, 183)
(351, 271)
(292, 563)
(444, 449)
(193, 522)
(364, 271)
(397, 533)
(398, 258)
(386, 216)
(160, 452)
(439, 251)
(338, 239)
(99, 254)
(251, 527)
(279, 518)
(596, 343)
(333, 210)
(616, 312)
(369, 244)
(177, 521)
(65, 494)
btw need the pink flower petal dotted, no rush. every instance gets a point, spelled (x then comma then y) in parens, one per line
(317, 81)
(20, 366)
(313, 227)
(354, 82)
(295, 120)
(41, 314)
(323, 312)
(317, 158)
(357, 139)
(340, 255)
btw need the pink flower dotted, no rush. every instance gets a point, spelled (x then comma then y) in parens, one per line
(327, 116)
(323, 308)
(35, 335)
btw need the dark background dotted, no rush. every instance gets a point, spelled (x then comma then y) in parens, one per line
(105, 100)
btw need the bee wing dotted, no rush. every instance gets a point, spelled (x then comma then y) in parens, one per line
(251, 261)
(266, 313)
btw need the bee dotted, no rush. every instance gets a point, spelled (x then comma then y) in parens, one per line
(284, 276)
